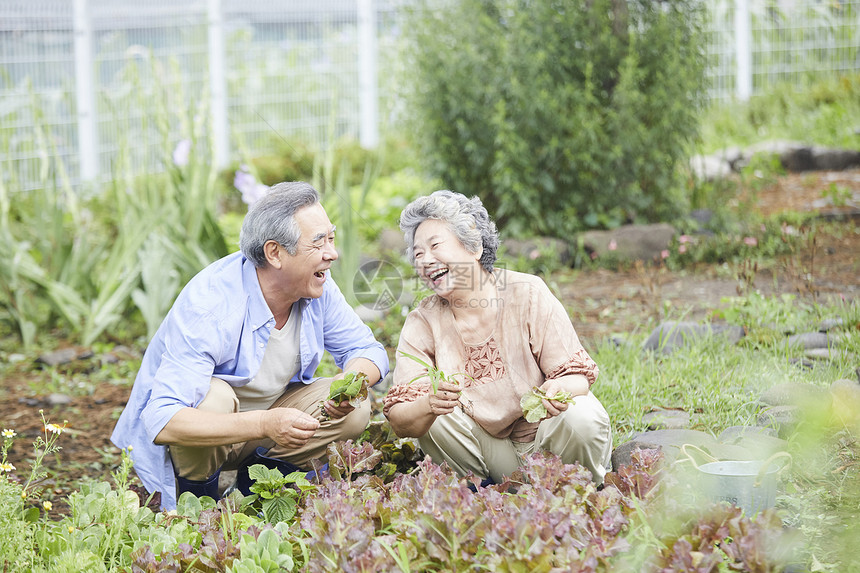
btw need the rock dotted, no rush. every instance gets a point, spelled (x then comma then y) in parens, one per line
(64, 356)
(124, 352)
(735, 433)
(710, 167)
(834, 159)
(226, 480)
(802, 362)
(630, 242)
(793, 155)
(793, 394)
(668, 441)
(16, 357)
(663, 419)
(58, 357)
(622, 455)
(671, 335)
(56, 399)
(702, 216)
(532, 249)
(783, 418)
(108, 358)
(761, 443)
(822, 354)
(809, 340)
(798, 159)
(829, 324)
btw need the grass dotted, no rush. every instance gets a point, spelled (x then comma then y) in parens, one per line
(720, 385)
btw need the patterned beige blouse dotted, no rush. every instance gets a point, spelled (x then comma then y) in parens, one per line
(533, 341)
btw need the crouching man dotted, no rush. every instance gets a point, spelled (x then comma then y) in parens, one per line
(228, 379)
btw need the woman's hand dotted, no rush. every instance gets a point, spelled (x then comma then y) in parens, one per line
(446, 398)
(575, 384)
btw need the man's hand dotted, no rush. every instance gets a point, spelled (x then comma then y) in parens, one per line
(289, 427)
(335, 410)
(445, 399)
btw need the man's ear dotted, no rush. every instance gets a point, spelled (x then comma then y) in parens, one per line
(272, 250)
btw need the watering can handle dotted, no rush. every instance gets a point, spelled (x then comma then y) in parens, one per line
(698, 450)
(768, 462)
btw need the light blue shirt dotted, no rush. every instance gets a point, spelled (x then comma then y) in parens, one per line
(219, 327)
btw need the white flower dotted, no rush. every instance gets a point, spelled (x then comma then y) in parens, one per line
(181, 153)
(54, 429)
(7, 467)
(9, 433)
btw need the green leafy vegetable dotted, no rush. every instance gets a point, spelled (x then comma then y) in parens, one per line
(436, 375)
(351, 388)
(532, 403)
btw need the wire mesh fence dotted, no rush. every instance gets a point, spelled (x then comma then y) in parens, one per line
(89, 88)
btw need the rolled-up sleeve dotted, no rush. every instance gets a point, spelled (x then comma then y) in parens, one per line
(411, 379)
(186, 367)
(554, 342)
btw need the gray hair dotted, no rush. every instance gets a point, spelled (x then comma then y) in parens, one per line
(467, 218)
(272, 218)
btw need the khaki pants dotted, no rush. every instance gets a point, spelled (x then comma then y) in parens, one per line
(199, 464)
(579, 434)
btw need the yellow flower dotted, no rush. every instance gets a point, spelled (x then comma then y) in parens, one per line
(7, 467)
(47, 505)
(9, 433)
(71, 529)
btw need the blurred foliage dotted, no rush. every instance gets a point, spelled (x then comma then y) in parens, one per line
(824, 112)
(559, 115)
(86, 262)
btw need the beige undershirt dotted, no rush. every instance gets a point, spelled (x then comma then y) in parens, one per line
(281, 362)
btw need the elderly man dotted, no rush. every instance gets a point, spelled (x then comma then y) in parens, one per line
(228, 379)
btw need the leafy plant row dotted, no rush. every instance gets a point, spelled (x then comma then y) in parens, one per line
(366, 516)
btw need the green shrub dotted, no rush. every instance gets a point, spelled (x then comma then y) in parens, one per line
(560, 116)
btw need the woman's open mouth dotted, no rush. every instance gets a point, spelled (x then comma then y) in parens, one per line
(436, 276)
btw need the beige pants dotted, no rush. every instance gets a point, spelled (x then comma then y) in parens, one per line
(198, 464)
(580, 434)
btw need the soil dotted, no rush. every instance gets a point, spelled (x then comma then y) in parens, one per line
(601, 302)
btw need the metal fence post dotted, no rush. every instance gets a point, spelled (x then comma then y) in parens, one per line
(85, 92)
(218, 85)
(743, 49)
(368, 85)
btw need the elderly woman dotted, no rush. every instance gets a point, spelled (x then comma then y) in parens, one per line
(499, 334)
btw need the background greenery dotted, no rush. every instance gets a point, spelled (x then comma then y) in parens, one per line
(560, 116)
(609, 137)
